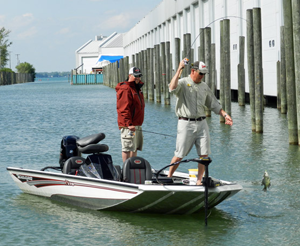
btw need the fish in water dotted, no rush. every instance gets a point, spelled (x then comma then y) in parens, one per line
(266, 181)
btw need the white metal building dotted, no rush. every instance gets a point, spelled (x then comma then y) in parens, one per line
(89, 54)
(173, 18)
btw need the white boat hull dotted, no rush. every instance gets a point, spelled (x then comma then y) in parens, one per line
(100, 194)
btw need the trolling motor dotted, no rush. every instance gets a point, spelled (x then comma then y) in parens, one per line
(206, 180)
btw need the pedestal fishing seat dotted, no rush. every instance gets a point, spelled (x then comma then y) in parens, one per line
(136, 170)
(73, 164)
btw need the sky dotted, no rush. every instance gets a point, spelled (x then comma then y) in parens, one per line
(46, 33)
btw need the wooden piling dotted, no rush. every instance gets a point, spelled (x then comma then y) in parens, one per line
(282, 73)
(168, 72)
(227, 66)
(132, 60)
(290, 73)
(163, 67)
(250, 58)
(157, 77)
(151, 75)
(201, 49)
(121, 70)
(241, 72)
(278, 85)
(137, 61)
(145, 74)
(257, 38)
(112, 75)
(118, 74)
(207, 47)
(126, 66)
(177, 53)
(187, 53)
(222, 86)
(296, 38)
(213, 69)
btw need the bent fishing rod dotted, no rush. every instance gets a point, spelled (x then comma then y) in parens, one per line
(186, 60)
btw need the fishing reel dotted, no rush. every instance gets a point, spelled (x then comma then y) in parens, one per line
(186, 61)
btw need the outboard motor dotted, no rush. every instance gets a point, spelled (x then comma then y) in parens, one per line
(68, 149)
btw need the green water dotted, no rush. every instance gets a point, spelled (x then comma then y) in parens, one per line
(35, 116)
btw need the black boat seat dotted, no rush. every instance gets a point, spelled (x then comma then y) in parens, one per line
(72, 164)
(93, 149)
(136, 170)
(92, 139)
(119, 171)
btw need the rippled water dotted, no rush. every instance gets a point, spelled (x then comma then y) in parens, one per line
(35, 116)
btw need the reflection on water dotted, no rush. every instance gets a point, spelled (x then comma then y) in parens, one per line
(117, 228)
(35, 117)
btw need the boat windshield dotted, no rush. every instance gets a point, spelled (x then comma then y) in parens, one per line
(99, 166)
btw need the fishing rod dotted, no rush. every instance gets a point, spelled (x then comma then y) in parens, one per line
(186, 60)
(221, 18)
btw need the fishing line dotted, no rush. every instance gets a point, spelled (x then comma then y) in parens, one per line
(221, 18)
(166, 135)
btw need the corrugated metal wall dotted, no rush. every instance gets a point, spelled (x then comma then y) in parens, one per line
(174, 18)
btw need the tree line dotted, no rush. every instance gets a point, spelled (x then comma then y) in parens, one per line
(23, 67)
(52, 74)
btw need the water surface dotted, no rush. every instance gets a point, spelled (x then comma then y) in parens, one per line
(35, 116)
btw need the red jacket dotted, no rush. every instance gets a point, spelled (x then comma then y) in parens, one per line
(130, 104)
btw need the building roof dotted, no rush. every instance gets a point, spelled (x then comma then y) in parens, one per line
(113, 41)
(116, 41)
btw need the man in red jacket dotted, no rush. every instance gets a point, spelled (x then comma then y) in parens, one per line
(130, 108)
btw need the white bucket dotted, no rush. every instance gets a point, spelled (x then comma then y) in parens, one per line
(193, 175)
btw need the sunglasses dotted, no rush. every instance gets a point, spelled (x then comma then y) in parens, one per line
(138, 76)
(201, 73)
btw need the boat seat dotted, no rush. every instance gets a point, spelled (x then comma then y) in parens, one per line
(136, 170)
(72, 165)
(119, 171)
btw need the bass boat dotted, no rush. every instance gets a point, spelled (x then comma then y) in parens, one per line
(96, 183)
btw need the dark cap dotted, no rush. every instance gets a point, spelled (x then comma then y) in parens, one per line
(135, 71)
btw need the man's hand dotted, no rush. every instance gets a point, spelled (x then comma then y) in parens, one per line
(228, 120)
(131, 128)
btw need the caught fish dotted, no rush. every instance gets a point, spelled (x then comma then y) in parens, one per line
(266, 181)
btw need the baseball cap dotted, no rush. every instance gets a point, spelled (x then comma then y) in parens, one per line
(200, 66)
(135, 71)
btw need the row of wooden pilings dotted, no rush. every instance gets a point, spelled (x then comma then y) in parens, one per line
(156, 65)
(8, 78)
(288, 69)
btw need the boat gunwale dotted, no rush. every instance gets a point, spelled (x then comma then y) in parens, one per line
(68, 176)
(140, 187)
